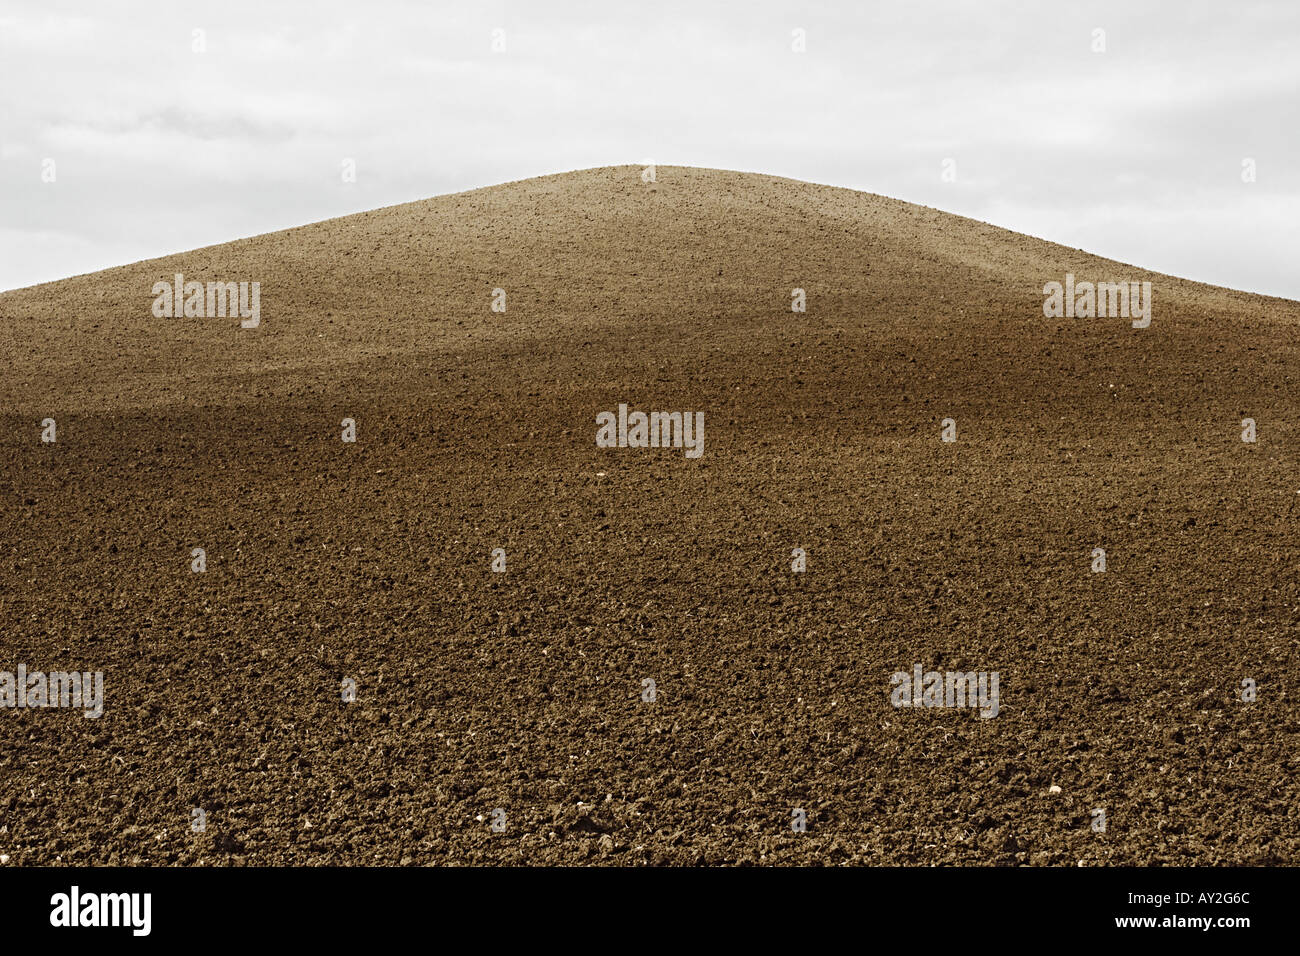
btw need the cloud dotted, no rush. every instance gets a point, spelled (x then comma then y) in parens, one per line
(1106, 150)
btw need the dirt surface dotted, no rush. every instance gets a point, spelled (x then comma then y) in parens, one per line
(476, 690)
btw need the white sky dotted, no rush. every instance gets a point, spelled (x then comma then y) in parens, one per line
(1135, 153)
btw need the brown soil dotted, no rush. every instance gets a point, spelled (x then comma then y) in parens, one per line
(523, 690)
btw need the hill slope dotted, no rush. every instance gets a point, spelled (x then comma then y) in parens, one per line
(329, 562)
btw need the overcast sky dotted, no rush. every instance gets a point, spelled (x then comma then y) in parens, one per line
(1135, 153)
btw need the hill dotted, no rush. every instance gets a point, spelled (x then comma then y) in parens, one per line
(332, 564)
